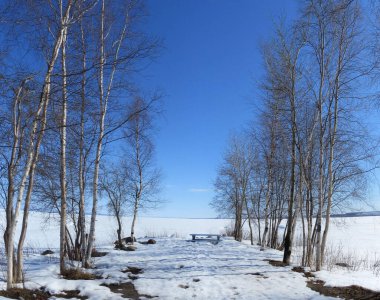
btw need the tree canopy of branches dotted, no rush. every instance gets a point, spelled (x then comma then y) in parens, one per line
(135, 183)
(63, 99)
(310, 148)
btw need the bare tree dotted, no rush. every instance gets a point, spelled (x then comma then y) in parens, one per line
(118, 50)
(234, 185)
(27, 170)
(114, 182)
(335, 38)
(284, 82)
(142, 174)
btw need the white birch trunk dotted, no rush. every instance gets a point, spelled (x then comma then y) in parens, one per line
(103, 103)
(63, 142)
(82, 161)
(103, 110)
(39, 120)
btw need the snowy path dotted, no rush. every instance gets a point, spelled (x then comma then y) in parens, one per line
(178, 269)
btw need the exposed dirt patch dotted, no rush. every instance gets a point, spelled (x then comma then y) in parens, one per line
(309, 274)
(276, 263)
(148, 242)
(77, 257)
(133, 270)
(344, 265)
(127, 290)
(26, 294)
(70, 295)
(47, 252)
(346, 292)
(133, 277)
(302, 270)
(96, 253)
(78, 274)
(183, 286)
(257, 274)
(298, 269)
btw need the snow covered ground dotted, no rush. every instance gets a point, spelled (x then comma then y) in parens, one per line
(228, 270)
(179, 269)
(175, 268)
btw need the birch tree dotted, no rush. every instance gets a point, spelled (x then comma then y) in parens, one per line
(119, 49)
(284, 83)
(16, 194)
(234, 184)
(334, 35)
(315, 68)
(143, 177)
(114, 182)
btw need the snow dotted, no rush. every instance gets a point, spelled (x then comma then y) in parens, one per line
(176, 268)
(224, 271)
(44, 232)
(347, 278)
(359, 235)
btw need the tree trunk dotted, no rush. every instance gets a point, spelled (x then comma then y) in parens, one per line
(103, 102)
(82, 160)
(8, 238)
(31, 161)
(63, 157)
(289, 233)
(238, 219)
(330, 173)
(119, 228)
(266, 222)
(135, 210)
(20, 263)
(249, 220)
(318, 227)
(103, 110)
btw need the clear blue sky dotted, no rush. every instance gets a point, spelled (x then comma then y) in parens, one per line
(207, 72)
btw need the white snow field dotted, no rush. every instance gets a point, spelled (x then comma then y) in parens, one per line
(175, 268)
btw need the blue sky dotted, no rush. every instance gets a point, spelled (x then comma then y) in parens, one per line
(207, 70)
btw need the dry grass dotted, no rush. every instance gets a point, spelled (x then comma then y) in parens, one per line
(276, 263)
(228, 230)
(127, 290)
(338, 256)
(133, 270)
(307, 274)
(78, 274)
(25, 294)
(162, 234)
(96, 253)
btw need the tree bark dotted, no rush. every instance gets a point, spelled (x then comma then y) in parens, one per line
(103, 110)
(63, 142)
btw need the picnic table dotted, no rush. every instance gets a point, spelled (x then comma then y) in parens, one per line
(205, 236)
